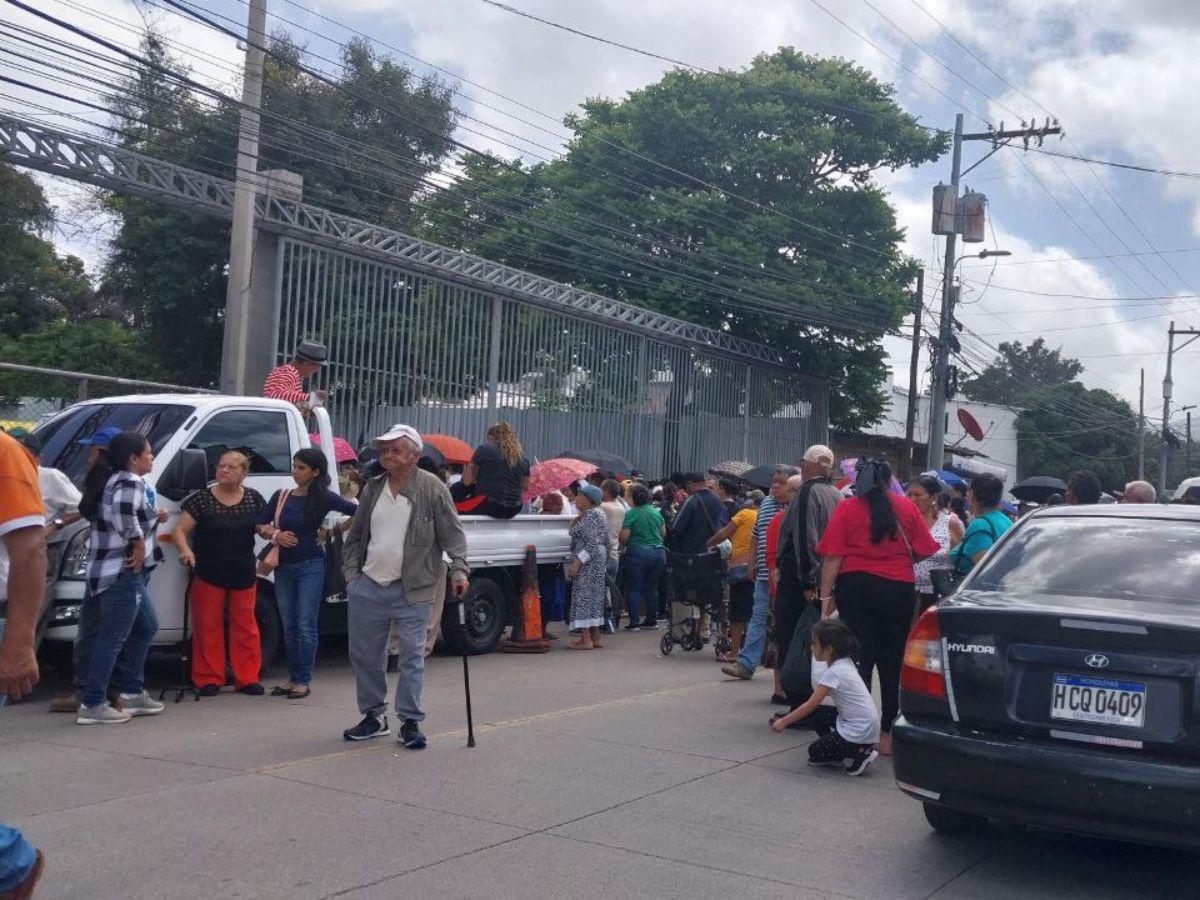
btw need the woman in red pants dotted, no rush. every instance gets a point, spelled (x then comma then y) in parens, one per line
(221, 522)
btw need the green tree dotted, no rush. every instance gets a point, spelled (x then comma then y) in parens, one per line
(1067, 427)
(1017, 371)
(36, 284)
(99, 346)
(799, 137)
(168, 268)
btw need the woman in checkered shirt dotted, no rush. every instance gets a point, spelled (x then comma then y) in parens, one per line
(121, 540)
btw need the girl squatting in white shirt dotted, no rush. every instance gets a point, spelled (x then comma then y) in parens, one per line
(849, 730)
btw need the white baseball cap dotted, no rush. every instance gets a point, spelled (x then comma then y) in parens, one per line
(820, 454)
(400, 431)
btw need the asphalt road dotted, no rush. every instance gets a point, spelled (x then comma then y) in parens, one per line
(612, 773)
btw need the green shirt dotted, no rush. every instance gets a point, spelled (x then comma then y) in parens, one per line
(645, 524)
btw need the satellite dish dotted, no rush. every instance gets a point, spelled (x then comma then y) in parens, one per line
(970, 426)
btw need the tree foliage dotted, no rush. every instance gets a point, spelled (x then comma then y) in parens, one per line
(1017, 369)
(1062, 425)
(36, 284)
(168, 268)
(799, 137)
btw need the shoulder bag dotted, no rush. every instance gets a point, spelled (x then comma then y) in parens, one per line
(268, 560)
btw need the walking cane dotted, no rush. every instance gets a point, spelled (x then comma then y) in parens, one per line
(462, 621)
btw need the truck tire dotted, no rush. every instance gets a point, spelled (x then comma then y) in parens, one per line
(486, 614)
(270, 629)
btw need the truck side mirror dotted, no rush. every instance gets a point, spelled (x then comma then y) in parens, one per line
(186, 473)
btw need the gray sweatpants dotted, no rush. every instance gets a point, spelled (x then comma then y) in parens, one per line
(372, 611)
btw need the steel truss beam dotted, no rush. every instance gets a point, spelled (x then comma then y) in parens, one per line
(57, 153)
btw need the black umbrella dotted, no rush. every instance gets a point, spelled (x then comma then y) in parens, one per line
(760, 476)
(605, 462)
(1038, 488)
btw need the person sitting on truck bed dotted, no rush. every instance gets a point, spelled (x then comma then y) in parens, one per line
(286, 381)
(497, 477)
(300, 578)
(392, 563)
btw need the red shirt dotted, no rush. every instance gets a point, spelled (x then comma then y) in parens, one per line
(848, 535)
(773, 546)
(284, 384)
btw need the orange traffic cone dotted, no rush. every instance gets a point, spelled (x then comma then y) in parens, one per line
(527, 632)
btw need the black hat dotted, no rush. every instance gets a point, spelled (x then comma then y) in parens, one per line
(312, 351)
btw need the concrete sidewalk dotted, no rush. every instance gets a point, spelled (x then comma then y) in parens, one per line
(613, 773)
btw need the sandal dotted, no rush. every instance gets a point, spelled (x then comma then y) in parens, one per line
(576, 645)
(299, 693)
(281, 690)
(727, 658)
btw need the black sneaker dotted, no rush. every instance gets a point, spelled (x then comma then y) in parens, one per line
(209, 690)
(369, 727)
(860, 762)
(253, 689)
(650, 623)
(410, 735)
(632, 626)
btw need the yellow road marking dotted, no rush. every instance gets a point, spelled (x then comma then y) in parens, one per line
(494, 726)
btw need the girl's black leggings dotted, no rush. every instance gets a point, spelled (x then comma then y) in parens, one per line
(879, 611)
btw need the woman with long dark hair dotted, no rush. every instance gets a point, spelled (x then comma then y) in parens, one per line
(293, 518)
(120, 542)
(869, 549)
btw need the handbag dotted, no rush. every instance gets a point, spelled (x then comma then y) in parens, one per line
(946, 581)
(268, 560)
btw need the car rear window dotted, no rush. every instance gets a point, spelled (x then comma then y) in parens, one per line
(1149, 559)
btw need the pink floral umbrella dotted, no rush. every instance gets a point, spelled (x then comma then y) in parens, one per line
(556, 474)
(342, 451)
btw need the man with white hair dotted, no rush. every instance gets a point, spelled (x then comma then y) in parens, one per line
(797, 560)
(1139, 492)
(392, 561)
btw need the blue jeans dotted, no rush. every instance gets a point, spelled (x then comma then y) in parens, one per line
(298, 590)
(756, 630)
(644, 568)
(127, 624)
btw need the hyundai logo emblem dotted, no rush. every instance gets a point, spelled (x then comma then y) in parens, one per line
(1096, 660)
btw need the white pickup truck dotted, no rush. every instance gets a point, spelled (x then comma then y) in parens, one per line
(188, 433)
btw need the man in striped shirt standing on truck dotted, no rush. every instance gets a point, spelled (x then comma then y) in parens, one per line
(286, 381)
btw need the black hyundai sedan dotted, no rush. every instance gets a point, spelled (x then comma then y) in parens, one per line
(1058, 686)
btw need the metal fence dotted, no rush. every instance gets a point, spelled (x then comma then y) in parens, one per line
(449, 359)
(29, 394)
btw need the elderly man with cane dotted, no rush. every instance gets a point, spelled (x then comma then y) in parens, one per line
(392, 560)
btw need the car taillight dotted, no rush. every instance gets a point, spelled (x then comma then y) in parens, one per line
(921, 671)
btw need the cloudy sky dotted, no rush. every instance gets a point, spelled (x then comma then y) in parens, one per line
(1102, 259)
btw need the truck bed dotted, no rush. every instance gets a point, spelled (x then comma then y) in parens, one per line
(502, 542)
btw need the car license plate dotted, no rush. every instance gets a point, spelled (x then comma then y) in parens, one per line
(1105, 701)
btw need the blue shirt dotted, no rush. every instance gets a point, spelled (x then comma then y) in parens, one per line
(296, 519)
(981, 533)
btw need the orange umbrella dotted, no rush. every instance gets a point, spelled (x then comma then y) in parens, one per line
(457, 453)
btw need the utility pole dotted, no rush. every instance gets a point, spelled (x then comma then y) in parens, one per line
(241, 242)
(913, 366)
(1168, 386)
(941, 361)
(941, 366)
(1187, 449)
(1142, 427)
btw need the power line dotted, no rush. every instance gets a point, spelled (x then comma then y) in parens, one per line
(1132, 167)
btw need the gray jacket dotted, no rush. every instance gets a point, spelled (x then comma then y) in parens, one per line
(822, 498)
(433, 528)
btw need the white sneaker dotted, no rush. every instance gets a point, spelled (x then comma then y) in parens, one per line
(102, 714)
(141, 704)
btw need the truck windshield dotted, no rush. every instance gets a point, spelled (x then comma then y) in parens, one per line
(61, 435)
(1147, 559)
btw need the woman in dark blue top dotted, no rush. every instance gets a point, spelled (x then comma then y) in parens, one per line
(300, 578)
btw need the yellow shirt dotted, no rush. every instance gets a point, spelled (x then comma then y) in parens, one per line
(743, 532)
